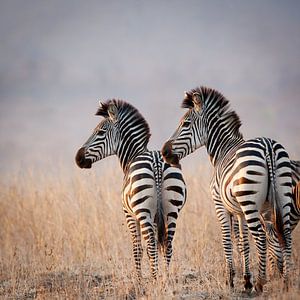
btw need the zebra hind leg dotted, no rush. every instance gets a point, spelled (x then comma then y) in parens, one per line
(259, 237)
(244, 249)
(134, 229)
(170, 232)
(148, 232)
(287, 251)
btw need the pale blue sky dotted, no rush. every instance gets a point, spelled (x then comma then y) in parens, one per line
(58, 58)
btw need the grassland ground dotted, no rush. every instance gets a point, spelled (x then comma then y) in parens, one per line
(63, 235)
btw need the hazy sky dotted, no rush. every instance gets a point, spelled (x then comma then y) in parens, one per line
(58, 58)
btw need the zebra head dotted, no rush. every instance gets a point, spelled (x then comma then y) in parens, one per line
(209, 121)
(104, 140)
(191, 132)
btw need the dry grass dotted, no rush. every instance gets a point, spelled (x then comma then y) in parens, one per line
(63, 235)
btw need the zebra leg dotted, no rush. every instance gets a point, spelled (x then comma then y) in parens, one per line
(225, 221)
(148, 232)
(259, 236)
(286, 253)
(274, 249)
(236, 232)
(134, 228)
(170, 232)
(244, 250)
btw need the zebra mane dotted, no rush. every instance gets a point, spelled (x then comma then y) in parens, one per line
(212, 98)
(124, 109)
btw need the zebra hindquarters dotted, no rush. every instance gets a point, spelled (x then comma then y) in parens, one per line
(140, 201)
(173, 199)
(249, 186)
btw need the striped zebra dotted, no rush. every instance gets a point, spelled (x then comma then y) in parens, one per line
(274, 249)
(249, 177)
(153, 191)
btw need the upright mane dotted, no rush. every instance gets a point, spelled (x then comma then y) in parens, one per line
(212, 98)
(125, 110)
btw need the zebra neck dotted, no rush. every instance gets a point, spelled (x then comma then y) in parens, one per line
(128, 151)
(219, 148)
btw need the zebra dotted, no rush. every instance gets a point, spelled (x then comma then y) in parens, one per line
(249, 177)
(274, 250)
(153, 191)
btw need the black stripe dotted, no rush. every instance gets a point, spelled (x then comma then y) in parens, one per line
(139, 201)
(172, 225)
(252, 152)
(244, 180)
(284, 164)
(140, 166)
(173, 215)
(176, 189)
(140, 188)
(251, 172)
(173, 175)
(247, 202)
(141, 176)
(285, 174)
(282, 154)
(176, 202)
(252, 220)
(244, 193)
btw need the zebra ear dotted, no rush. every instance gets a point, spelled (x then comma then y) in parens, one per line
(197, 100)
(112, 112)
(102, 110)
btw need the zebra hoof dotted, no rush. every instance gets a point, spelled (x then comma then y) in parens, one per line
(285, 285)
(248, 284)
(258, 288)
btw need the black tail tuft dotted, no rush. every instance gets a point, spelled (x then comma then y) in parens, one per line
(279, 226)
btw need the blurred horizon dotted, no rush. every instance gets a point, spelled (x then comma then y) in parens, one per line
(59, 58)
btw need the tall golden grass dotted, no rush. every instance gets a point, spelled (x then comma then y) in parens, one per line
(63, 235)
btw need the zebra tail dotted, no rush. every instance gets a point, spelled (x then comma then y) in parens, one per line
(277, 218)
(161, 231)
(160, 222)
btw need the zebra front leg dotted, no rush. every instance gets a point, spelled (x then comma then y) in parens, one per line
(134, 228)
(244, 250)
(225, 221)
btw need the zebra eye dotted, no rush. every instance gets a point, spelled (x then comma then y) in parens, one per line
(186, 123)
(101, 131)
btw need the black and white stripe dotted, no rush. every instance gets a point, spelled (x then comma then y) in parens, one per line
(153, 191)
(250, 177)
(274, 249)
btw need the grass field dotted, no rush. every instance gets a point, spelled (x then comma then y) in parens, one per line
(63, 235)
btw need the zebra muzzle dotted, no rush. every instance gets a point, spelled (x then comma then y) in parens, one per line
(81, 161)
(168, 154)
